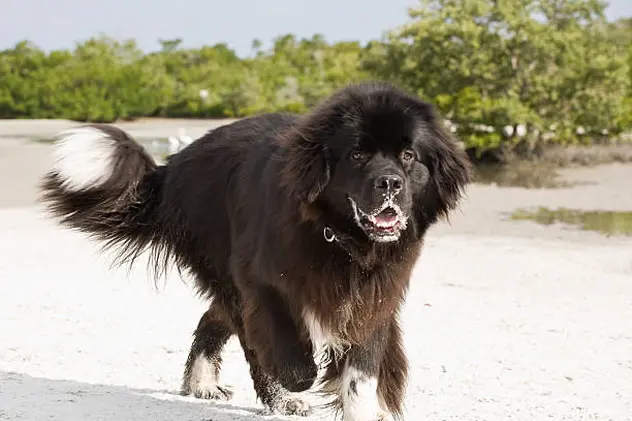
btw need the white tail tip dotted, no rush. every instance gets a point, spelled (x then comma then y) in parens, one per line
(84, 157)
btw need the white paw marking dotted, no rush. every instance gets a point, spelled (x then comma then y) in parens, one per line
(83, 157)
(359, 397)
(203, 382)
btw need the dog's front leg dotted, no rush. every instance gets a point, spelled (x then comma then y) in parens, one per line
(362, 379)
(273, 335)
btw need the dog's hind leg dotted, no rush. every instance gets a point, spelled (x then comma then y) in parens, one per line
(202, 369)
(275, 398)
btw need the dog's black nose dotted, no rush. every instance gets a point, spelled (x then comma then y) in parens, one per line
(389, 183)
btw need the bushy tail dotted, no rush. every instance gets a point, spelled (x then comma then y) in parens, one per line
(105, 184)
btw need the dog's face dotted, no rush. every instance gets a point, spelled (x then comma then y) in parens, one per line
(376, 164)
(378, 159)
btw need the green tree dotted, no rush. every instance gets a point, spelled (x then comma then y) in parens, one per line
(626, 113)
(19, 69)
(169, 45)
(544, 63)
(101, 80)
(620, 32)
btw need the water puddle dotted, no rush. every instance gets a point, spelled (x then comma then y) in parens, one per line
(520, 174)
(604, 222)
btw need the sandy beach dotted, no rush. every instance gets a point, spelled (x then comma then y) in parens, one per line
(506, 320)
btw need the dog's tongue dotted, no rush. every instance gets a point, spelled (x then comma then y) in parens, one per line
(386, 218)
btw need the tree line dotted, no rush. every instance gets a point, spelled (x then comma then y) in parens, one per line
(502, 72)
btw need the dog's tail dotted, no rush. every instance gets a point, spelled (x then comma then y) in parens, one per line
(105, 184)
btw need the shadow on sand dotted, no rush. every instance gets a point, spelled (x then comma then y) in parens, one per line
(23, 397)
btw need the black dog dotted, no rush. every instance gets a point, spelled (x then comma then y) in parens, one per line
(303, 230)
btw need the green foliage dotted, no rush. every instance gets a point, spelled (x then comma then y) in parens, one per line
(101, 80)
(488, 65)
(104, 80)
(626, 113)
(548, 64)
(620, 32)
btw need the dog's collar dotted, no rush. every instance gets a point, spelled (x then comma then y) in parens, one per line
(345, 242)
(329, 235)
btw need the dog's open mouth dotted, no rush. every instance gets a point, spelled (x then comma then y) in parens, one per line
(384, 224)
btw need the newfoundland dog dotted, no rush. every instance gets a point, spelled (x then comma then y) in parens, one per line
(301, 230)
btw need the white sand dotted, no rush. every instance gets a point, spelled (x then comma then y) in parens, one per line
(504, 321)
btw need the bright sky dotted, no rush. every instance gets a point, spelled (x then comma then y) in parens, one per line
(52, 24)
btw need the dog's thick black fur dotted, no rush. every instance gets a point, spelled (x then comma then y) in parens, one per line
(303, 230)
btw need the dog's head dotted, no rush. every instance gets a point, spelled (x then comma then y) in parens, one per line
(377, 158)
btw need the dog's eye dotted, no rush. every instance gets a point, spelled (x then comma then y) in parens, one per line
(357, 155)
(407, 155)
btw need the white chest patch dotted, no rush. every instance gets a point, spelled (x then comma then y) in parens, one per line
(322, 338)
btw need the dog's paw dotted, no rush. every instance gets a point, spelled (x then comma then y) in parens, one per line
(379, 416)
(289, 406)
(212, 392)
(384, 417)
(295, 406)
(376, 417)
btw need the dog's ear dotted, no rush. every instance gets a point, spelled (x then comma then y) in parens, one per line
(451, 171)
(306, 170)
